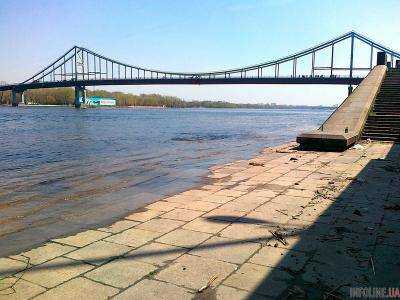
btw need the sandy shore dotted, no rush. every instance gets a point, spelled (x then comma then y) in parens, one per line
(285, 224)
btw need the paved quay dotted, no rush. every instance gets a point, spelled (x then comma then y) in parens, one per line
(286, 224)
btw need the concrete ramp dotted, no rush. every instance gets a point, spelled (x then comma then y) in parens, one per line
(344, 126)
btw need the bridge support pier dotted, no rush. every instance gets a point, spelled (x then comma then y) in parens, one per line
(14, 98)
(80, 96)
(350, 89)
(14, 101)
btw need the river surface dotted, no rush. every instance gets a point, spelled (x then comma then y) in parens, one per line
(63, 170)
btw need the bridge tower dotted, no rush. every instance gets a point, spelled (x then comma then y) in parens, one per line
(80, 96)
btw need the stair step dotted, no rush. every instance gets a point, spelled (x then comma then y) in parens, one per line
(387, 100)
(383, 127)
(388, 91)
(382, 132)
(382, 99)
(384, 123)
(384, 118)
(388, 109)
(387, 103)
(384, 90)
(387, 94)
(383, 139)
(386, 112)
(386, 134)
(389, 116)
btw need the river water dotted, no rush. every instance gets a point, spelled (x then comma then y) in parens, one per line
(63, 170)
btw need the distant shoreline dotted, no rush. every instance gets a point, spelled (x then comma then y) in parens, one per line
(162, 107)
(66, 96)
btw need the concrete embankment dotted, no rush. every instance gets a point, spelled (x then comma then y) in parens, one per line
(287, 223)
(344, 127)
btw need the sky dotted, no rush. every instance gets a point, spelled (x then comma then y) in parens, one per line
(192, 36)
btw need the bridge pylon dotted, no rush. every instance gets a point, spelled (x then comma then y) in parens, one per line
(80, 96)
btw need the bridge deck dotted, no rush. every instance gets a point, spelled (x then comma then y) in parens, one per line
(186, 81)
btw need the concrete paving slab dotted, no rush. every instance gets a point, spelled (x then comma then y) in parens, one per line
(205, 225)
(13, 288)
(163, 206)
(46, 252)
(160, 225)
(182, 214)
(83, 238)
(156, 253)
(194, 272)
(133, 237)
(225, 249)
(184, 238)
(223, 215)
(155, 290)
(181, 198)
(299, 193)
(279, 258)
(218, 198)
(248, 232)
(227, 292)
(201, 205)
(273, 216)
(230, 192)
(244, 203)
(288, 208)
(121, 272)
(257, 279)
(79, 288)
(11, 266)
(99, 252)
(262, 193)
(145, 215)
(55, 272)
(119, 226)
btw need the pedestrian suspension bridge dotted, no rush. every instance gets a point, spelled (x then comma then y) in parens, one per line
(80, 67)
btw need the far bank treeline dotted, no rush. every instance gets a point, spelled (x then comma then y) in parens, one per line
(65, 96)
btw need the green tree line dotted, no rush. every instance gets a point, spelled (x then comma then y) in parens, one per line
(65, 96)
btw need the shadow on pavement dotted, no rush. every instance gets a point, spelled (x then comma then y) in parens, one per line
(354, 243)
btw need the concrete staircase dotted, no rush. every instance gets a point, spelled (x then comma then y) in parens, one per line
(384, 121)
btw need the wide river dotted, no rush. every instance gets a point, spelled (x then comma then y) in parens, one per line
(63, 170)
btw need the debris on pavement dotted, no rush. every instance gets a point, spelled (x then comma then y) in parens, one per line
(279, 237)
(209, 283)
(372, 265)
(358, 147)
(256, 164)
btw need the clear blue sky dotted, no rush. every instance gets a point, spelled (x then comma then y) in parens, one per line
(191, 36)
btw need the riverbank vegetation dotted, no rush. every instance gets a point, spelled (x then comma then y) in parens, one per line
(65, 96)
